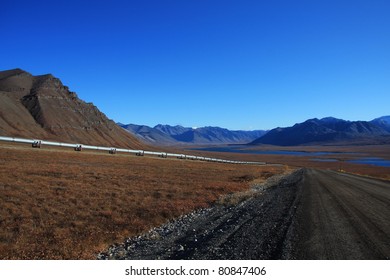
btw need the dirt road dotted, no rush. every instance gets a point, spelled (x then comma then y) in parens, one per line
(342, 216)
(310, 214)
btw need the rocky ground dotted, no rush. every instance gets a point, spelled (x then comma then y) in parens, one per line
(256, 228)
(308, 214)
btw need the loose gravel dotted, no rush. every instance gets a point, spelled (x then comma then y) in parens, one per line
(255, 228)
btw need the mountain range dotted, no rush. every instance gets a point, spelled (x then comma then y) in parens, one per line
(329, 131)
(41, 107)
(173, 135)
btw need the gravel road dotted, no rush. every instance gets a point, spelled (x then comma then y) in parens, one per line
(343, 216)
(309, 214)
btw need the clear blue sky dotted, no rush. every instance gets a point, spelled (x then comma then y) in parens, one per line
(235, 64)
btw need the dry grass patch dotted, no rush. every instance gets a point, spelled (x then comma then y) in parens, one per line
(58, 204)
(256, 184)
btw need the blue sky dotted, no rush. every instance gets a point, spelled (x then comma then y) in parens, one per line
(235, 64)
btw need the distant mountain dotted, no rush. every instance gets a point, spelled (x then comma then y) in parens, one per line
(170, 135)
(172, 130)
(149, 134)
(217, 135)
(326, 130)
(383, 122)
(42, 107)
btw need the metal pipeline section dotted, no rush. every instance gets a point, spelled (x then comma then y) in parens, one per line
(112, 150)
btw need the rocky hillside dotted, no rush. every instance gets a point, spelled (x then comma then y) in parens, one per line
(42, 107)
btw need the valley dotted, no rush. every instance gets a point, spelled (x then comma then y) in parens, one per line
(307, 214)
(60, 204)
(353, 159)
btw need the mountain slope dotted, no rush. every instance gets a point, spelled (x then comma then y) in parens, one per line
(327, 130)
(217, 135)
(149, 134)
(172, 130)
(42, 107)
(170, 135)
(383, 122)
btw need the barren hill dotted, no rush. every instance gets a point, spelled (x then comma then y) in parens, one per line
(42, 107)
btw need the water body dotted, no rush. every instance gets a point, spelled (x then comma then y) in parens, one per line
(239, 149)
(325, 159)
(372, 161)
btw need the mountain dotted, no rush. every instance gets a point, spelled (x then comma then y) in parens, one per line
(324, 131)
(149, 134)
(41, 107)
(217, 135)
(172, 130)
(170, 135)
(383, 122)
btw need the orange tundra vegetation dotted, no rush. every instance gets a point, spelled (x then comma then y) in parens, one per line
(61, 204)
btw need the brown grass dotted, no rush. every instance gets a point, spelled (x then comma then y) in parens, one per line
(60, 204)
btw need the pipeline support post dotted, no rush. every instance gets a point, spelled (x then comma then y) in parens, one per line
(37, 144)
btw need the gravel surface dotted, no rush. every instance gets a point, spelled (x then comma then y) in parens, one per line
(308, 214)
(342, 216)
(254, 229)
